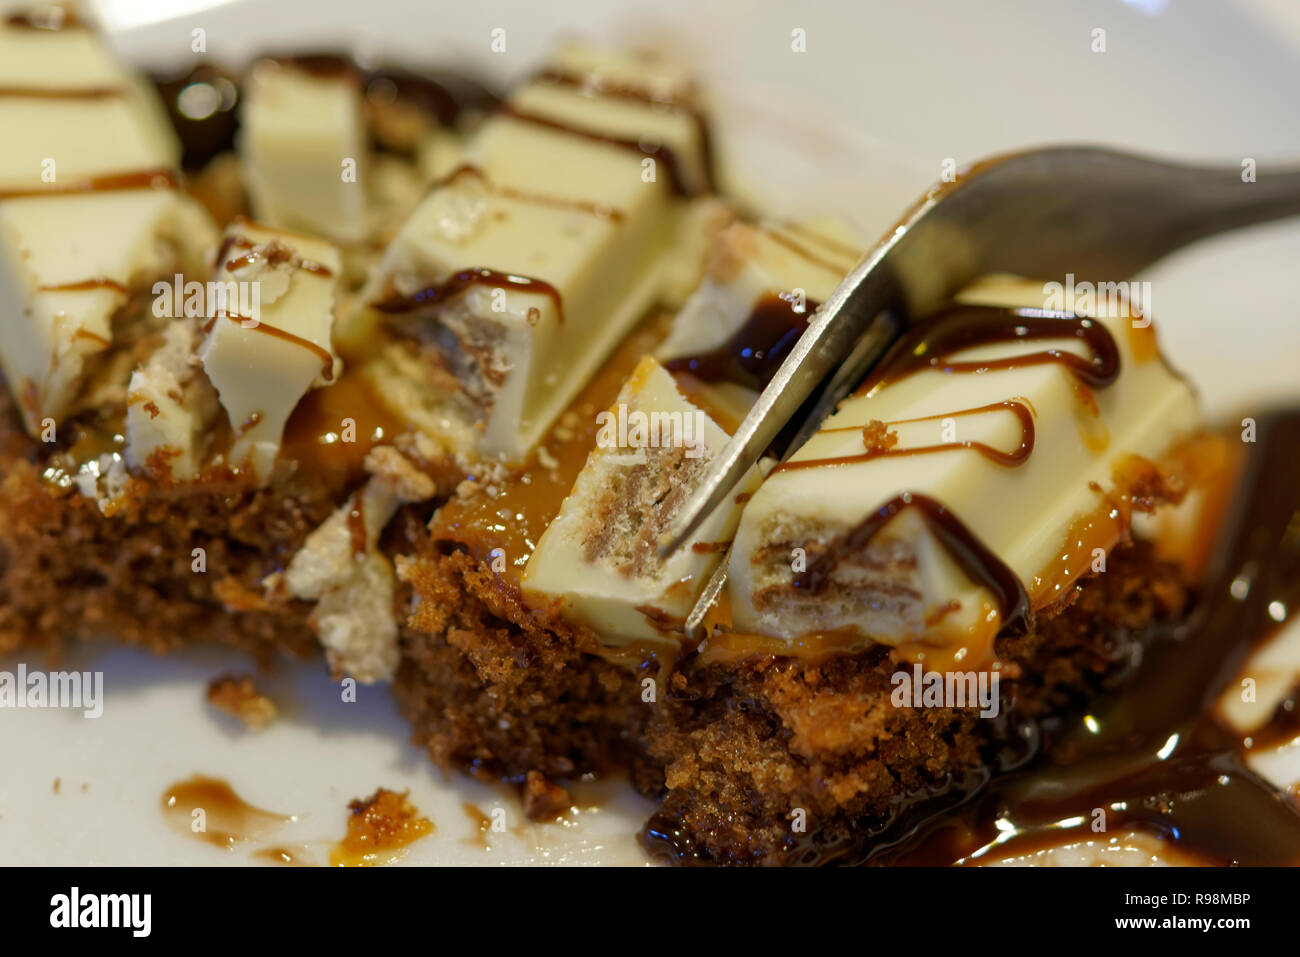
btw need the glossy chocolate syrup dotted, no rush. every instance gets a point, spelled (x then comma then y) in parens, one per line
(1150, 753)
(753, 353)
(454, 285)
(932, 343)
(202, 104)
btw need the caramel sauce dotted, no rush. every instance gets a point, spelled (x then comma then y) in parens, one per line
(779, 237)
(314, 435)
(112, 183)
(481, 823)
(454, 285)
(53, 18)
(280, 855)
(380, 829)
(228, 818)
(275, 332)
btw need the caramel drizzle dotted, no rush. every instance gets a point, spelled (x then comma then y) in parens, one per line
(975, 558)
(877, 450)
(599, 210)
(674, 100)
(454, 285)
(112, 183)
(664, 155)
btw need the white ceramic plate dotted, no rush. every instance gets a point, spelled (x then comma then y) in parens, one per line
(859, 124)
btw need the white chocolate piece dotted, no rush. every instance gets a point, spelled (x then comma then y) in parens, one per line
(598, 556)
(70, 260)
(304, 147)
(262, 364)
(801, 263)
(905, 587)
(563, 212)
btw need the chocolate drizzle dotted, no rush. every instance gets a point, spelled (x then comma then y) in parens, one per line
(599, 210)
(454, 285)
(932, 343)
(660, 153)
(753, 353)
(676, 101)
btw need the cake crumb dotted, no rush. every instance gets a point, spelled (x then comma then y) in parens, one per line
(544, 800)
(57, 784)
(876, 437)
(237, 696)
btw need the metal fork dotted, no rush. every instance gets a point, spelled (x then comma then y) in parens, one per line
(1099, 214)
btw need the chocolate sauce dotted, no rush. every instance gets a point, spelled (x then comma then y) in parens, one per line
(931, 343)
(202, 104)
(115, 182)
(674, 101)
(753, 353)
(661, 154)
(1150, 753)
(396, 304)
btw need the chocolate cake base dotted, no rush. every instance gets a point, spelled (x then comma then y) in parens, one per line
(69, 571)
(492, 687)
(731, 750)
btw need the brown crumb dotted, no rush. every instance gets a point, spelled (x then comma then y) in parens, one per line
(876, 437)
(57, 784)
(379, 830)
(237, 695)
(544, 800)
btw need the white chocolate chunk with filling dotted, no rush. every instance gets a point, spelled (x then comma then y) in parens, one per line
(272, 341)
(906, 586)
(303, 142)
(76, 262)
(169, 406)
(599, 557)
(569, 240)
(341, 568)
